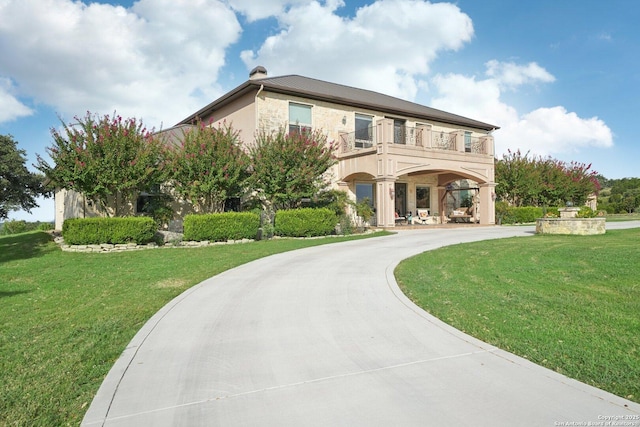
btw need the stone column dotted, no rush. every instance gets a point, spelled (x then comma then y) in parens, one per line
(385, 202)
(487, 203)
(441, 208)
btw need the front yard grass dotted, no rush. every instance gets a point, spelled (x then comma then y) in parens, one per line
(66, 317)
(569, 303)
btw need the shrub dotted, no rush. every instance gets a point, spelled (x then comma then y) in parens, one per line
(15, 227)
(45, 226)
(22, 226)
(586, 212)
(94, 231)
(220, 227)
(521, 215)
(305, 222)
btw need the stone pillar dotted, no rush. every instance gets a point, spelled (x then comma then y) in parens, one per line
(385, 202)
(441, 207)
(385, 175)
(570, 212)
(424, 132)
(459, 137)
(487, 203)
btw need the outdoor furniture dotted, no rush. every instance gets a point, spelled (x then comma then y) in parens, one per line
(460, 215)
(400, 220)
(423, 216)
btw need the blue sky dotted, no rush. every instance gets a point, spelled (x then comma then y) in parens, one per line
(561, 78)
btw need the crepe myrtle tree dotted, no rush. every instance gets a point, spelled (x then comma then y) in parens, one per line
(525, 180)
(109, 159)
(287, 167)
(209, 166)
(18, 186)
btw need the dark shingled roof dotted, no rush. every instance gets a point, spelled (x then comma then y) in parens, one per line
(340, 94)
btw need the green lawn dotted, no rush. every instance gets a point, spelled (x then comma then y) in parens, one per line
(569, 303)
(66, 317)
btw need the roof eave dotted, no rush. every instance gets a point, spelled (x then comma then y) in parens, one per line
(227, 98)
(250, 85)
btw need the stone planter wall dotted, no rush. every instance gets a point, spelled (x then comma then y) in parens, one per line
(579, 226)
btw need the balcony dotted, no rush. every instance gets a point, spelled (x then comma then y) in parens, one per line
(421, 137)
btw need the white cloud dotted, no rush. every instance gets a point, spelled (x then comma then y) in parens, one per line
(387, 46)
(555, 131)
(255, 10)
(477, 99)
(10, 107)
(158, 60)
(511, 75)
(544, 131)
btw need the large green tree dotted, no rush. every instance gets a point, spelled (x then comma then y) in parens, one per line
(288, 167)
(108, 159)
(209, 166)
(524, 180)
(19, 187)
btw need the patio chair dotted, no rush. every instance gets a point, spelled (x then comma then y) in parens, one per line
(423, 216)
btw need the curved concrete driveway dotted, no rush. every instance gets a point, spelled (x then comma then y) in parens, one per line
(323, 337)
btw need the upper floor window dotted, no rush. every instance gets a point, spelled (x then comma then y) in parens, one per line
(399, 131)
(364, 131)
(467, 142)
(299, 118)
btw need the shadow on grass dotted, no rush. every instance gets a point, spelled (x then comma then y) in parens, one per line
(25, 246)
(5, 294)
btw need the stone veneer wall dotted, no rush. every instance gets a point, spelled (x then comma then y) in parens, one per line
(579, 226)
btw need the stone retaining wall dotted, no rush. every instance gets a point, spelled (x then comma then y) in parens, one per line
(108, 248)
(579, 226)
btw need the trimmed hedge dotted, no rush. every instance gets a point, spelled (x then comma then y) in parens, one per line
(306, 222)
(522, 215)
(95, 231)
(220, 227)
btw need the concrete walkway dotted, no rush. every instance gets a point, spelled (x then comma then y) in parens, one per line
(323, 337)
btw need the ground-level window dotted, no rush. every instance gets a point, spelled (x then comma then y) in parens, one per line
(232, 204)
(148, 200)
(364, 191)
(423, 197)
(299, 118)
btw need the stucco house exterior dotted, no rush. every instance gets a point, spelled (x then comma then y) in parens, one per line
(403, 156)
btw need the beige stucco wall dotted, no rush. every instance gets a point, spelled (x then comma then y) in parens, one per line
(389, 163)
(241, 115)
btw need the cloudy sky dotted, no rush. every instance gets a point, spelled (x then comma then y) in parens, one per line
(561, 78)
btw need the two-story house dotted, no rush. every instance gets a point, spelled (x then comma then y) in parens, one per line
(402, 156)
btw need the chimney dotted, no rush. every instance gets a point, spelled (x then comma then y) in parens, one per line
(258, 73)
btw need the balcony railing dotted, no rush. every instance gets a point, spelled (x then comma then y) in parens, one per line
(476, 145)
(363, 138)
(443, 141)
(407, 135)
(418, 137)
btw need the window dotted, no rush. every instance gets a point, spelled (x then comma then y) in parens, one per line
(399, 130)
(299, 118)
(467, 142)
(364, 191)
(151, 201)
(364, 131)
(423, 197)
(401, 198)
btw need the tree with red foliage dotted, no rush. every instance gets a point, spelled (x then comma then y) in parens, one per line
(108, 159)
